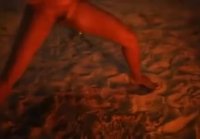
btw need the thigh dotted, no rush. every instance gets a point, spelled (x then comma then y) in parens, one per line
(93, 20)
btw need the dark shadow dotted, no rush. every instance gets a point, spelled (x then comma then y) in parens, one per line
(24, 25)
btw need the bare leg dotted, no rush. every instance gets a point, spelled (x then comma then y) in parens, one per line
(90, 19)
(29, 39)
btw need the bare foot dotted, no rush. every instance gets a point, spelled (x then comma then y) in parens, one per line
(144, 81)
(5, 91)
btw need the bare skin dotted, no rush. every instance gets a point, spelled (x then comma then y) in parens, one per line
(41, 15)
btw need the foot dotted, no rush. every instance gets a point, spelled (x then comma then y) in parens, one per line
(144, 81)
(5, 91)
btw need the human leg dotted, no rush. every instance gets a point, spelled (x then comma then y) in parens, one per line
(34, 28)
(90, 19)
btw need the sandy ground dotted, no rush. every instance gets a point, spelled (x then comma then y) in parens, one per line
(77, 85)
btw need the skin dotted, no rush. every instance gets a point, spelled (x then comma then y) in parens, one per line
(39, 18)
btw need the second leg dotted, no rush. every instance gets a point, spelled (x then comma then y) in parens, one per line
(91, 19)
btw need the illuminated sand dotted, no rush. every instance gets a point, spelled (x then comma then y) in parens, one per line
(77, 88)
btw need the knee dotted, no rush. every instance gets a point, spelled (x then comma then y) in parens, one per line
(128, 40)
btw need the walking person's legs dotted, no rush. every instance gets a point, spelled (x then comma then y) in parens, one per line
(91, 19)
